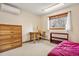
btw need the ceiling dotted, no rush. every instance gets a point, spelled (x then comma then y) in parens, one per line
(35, 8)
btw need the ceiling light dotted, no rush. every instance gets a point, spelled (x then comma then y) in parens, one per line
(53, 7)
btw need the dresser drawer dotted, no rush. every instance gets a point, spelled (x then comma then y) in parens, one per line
(16, 44)
(2, 37)
(5, 32)
(8, 41)
(5, 27)
(16, 28)
(16, 36)
(5, 47)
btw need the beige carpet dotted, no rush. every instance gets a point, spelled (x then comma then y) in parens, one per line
(40, 48)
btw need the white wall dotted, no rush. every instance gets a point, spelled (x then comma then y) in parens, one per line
(30, 21)
(26, 19)
(74, 34)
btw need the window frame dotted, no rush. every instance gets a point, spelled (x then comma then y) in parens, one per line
(57, 16)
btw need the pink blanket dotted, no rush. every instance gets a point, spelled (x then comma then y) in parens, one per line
(65, 48)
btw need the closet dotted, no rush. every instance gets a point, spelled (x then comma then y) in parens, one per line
(10, 36)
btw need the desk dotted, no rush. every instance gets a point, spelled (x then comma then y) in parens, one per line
(36, 35)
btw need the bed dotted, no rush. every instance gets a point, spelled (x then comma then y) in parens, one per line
(56, 37)
(65, 48)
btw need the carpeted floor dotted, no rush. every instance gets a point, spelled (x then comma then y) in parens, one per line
(40, 48)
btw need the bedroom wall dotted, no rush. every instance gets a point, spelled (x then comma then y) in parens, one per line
(74, 34)
(26, 19)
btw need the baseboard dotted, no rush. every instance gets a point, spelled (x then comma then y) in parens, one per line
(32, 40)
(46, 39)
(27, 41)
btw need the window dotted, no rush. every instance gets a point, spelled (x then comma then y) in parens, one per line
(58, 22)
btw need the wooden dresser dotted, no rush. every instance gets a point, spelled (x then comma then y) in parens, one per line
(10, 37)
